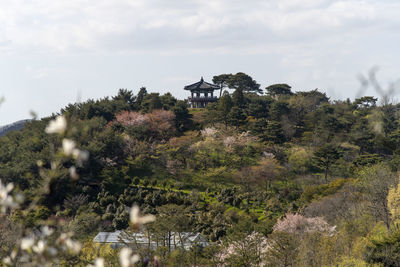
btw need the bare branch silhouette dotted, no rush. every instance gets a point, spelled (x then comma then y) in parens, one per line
(386, 96)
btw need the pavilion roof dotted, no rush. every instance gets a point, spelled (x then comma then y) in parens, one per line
(202, 85)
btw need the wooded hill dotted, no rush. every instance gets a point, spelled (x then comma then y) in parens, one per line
(315, 179)
(18, 125)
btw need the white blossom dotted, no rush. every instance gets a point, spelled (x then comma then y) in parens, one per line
(52, 251)
(27, 243)
(229, 141)
(127, 258)
(209, 132)
(69, 149)
(296, 223)
(6, 200)
(19, 198)
(80, 155)
(47, 231)
(4, 190)
(59, 125)
(99, 262)
(7, 260)
(72, 173)
(39, 247)
(137, 219)
(74, 246)
(65, 239)
(68, 146)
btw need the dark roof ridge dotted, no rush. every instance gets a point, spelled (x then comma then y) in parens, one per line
(198, 85)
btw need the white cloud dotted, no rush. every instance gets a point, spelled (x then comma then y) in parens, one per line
(107, 25)
(292, 5)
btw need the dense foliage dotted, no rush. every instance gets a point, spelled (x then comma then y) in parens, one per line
(281, 179)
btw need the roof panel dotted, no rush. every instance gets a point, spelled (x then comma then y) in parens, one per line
(202, 85)
(140, 238)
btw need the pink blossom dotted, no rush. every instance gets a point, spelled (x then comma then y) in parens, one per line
(298, 224)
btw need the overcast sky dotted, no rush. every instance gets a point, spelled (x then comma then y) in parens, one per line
(56, 52)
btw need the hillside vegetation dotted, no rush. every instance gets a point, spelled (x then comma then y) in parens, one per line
(279, 179)
(12, 127)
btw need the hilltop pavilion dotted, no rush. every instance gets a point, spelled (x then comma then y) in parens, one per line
(202, 93)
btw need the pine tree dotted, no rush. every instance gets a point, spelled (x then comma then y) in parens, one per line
(238, 99)
(224, 107)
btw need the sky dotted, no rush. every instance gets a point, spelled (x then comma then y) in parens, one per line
(57, 52)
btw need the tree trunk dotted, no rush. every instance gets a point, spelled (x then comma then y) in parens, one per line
(326, 172)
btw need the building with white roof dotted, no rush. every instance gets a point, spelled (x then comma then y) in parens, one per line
(172, 240)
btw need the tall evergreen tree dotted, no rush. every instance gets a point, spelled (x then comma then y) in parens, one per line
(142, 93)
(224, 107)
(274, 132)
(236, 116)
(126, 97)
(238, 99)
(325, 156)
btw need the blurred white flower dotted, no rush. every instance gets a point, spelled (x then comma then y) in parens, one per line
(69, 149)
(6, 200)
(80, 155)
(68, 146)
(27, 243)
(52, 251)
(73, 174)
(65, 239)
(137, 219)
(99, 262)
(39, 247)
(74, 246)
(4, 190)
(19, 198)
(46, 231)
(59, 125)
(9, 259)
(126, 259)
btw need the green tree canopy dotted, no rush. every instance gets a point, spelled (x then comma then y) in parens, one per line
(222, 81)
(244, 82)
(325, 156)
(279, 89)
(224, 106)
